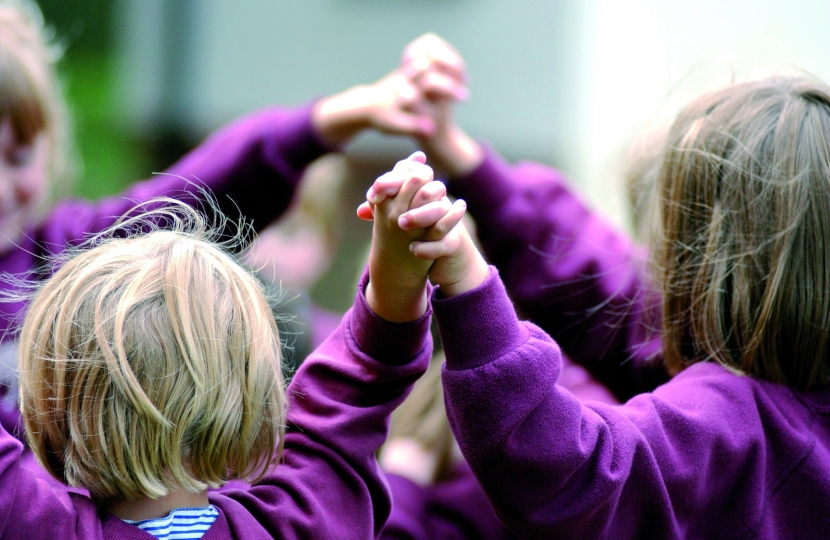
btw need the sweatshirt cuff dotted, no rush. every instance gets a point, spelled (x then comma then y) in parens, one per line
(478, 326)
(491, 172)
(387, 342)
(305, 144)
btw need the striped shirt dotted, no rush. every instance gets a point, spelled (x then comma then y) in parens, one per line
(182, 523)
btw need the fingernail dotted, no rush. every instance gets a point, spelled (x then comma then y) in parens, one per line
(412, 248)
(402, 222)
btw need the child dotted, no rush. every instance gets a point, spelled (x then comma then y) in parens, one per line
(252, 167)
(151, 371)
(736, 443)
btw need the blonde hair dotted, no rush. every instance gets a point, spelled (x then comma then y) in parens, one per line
(31, 96)
(152, 362)
(742, 215)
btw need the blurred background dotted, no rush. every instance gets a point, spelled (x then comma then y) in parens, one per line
(570, 82)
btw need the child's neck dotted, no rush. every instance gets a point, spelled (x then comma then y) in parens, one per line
(147, 508)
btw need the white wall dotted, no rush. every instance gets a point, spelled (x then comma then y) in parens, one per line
(569, 82)
(643, 59)
(249, 53)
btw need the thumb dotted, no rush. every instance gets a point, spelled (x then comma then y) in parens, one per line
(364, 212)
(414, 125)
(418, 156)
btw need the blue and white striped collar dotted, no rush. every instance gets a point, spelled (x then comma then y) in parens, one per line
(182, 523)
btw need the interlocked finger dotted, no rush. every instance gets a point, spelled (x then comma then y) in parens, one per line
(425, 216)
(438, 85)
(390, 183)
(430, 52)
(431, 192)
(387, 185)
(417, 175)
(447, 223)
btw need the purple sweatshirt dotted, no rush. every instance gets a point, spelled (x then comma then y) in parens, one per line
(455, 508)
(328, 484)
(709, 454)
(251, 166)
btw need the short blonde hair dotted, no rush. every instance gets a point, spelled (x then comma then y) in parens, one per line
(742, 193)
(152, 362)
(31, 96)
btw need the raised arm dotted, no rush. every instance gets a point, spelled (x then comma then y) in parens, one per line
(566, 268)
(253, 165)
(677, 463)
(568, 271)
(328, 484)
(341, 399)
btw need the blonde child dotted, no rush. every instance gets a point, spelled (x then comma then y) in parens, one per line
(150, 371)
(736, 444)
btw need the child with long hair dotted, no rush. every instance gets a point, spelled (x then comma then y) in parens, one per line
(736, 443)
(150, 371)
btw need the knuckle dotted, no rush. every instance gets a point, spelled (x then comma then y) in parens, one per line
(439, 230)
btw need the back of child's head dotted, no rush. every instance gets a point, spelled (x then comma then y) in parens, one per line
(742, 243)
(152, 362)
(30, 94)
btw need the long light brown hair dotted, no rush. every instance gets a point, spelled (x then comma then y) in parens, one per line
(741, 246)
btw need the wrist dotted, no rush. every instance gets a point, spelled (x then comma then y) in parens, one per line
(473, 278)
(456, 151)
(338, 118)
(397, 304)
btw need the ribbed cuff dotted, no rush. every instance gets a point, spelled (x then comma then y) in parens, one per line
(478, 326)
(305, 144)
(387, 342)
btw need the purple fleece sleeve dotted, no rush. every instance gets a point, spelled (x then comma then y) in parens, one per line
(454, 508)
(701, 457)
(31, 509)
(568, 270)
(251, 167)
(329, 484)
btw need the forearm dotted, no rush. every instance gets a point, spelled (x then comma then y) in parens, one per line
(338, 118)
(340, 403)
(454, 151)
(251, 168)
(254, 165)
(546, 462)
(568, 270)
